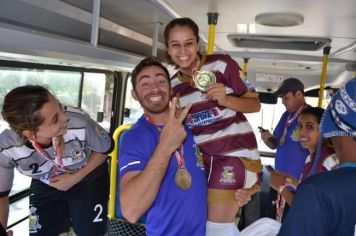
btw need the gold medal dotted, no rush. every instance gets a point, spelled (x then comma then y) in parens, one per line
(202, 79)
(183, 178)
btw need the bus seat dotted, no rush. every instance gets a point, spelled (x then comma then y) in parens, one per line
(117, 225)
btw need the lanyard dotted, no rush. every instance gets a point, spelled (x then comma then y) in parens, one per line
(185, 78)
(179, 153)
(58, 146)
(288, 123)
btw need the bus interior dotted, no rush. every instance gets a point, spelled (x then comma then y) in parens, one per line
(84, 51)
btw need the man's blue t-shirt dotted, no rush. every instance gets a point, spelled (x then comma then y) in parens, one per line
(324, 205)
(290, 157)
(175, 211)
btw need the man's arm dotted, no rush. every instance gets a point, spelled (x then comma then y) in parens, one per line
(247, 103)
(4, 210)
(138, 190)
(66, 181)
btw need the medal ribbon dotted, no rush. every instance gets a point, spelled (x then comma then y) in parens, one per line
(185, 77)
(58, 151)
(289, 122)
(179, 153)
(280, 203)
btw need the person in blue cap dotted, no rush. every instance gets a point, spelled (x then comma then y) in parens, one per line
(325, 203)
(290, 154)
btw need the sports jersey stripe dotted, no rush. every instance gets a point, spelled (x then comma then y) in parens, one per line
(196, 97)
(242, 128)
(252, 154)
(17, 153)
(130, 164)
(216, 65)
(73, 134)
(229, 144)
(175, 81)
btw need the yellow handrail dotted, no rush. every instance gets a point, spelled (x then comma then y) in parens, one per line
(323, 75)
(113, 168)
(212, 21)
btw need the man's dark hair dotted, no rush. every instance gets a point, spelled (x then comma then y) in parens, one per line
(147, 62)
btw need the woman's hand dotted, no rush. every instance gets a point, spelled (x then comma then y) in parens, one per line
(63, 182)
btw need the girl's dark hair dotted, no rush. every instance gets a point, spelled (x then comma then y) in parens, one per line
(315, 111)
(147, 62)
(181, 22)
(22, 105)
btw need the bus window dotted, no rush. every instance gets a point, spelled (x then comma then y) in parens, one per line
(64, 84)
(267, 117)
(97, 97)
(133, 110)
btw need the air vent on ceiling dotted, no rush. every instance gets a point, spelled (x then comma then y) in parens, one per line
(278, 42)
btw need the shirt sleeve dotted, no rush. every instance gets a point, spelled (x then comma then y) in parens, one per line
(235, 77)
(134, 152)
(98, 140)
(6, 175)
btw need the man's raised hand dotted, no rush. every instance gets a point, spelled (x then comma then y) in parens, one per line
(173, 133)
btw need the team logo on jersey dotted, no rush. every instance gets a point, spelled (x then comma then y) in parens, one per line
(34, 220)
(77, 156)
(295, 135)
(202, 118)
(246, 81)
(227, 175)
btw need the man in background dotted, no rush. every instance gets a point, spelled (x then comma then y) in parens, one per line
(290, 155)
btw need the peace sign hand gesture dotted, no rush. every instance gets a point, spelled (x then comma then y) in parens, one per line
(173, 134)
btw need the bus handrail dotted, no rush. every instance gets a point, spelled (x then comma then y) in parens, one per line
(113, 168)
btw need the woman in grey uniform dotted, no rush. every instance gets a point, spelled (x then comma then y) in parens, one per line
(64, 152)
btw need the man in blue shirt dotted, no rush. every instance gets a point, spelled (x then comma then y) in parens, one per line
(290, 155)
(161, 170)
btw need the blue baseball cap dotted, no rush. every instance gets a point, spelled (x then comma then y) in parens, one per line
(339, 119)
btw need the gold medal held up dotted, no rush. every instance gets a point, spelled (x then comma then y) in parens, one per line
(202, 79)
(183, 178)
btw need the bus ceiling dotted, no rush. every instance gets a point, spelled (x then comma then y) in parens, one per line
(280, 38)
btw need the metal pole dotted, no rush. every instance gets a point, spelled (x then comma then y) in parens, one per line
(212, 21)
(326, 53)
(155, 38)
(246, 66)
(95, 24)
